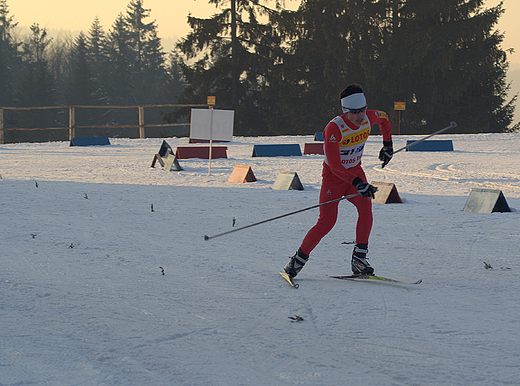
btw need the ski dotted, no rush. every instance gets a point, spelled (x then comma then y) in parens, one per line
(289, 280)
(372, 277)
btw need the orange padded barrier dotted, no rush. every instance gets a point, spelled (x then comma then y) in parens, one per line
(386, 193)
(241, 174)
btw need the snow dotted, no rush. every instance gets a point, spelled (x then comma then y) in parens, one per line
(84, 300)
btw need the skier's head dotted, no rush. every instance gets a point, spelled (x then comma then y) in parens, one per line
(352, 99)
(354, 104)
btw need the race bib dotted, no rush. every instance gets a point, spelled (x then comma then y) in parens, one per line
(353, 143)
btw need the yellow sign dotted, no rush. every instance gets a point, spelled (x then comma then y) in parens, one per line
(399, 105)
(211, 100)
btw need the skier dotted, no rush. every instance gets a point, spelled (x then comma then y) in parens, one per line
(342, 175)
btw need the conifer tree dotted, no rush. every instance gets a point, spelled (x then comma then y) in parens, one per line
(147, 56)
(443, 58)
(82, 85)
(320, 58)
(96, 45)
(119, 64)
(228, 56)
(38, 86)
(9, 58)
(174, 83)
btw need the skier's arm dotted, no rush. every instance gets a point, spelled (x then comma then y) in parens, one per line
(381, 118)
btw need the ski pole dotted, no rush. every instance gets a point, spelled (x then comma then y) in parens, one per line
(206, 238)
(452, 124)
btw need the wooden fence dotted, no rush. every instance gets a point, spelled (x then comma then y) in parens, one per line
(72, 119)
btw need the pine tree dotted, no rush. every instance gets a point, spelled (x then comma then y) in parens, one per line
(96, 45)
(135, 58)
(172, 90)
(82, 85)
(38, 86)
(59, 62)
(147, 59)
(174, 84)
(119, 68)
(321, 41)
(441, 57)
(228, 56)
(9, 58)
(444, 59)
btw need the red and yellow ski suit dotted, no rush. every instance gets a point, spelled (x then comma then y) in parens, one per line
(344, 145)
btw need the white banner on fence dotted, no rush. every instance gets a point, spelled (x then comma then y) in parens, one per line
(210, 124)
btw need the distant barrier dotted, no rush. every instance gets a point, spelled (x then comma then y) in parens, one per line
(486, 201)
(313, 148)
(90, 141)
(242, 174)
(287, 181)
(431, 145)
(386, 193)
(72, 119)
(202, 152)
(276, 150)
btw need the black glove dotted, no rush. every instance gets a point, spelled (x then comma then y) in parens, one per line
(386, 153)
(364, 188)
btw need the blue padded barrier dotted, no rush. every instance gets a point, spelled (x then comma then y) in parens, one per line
(276, 150)
(432, 145)
(90, 141)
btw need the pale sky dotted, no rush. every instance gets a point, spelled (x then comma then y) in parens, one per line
(170, 16)
(78, 15)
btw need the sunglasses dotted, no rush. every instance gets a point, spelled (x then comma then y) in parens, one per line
(357, 111)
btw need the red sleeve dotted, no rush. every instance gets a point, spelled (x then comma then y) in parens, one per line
(381, 118)
(332, 136)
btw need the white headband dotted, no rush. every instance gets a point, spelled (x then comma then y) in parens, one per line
(353, 101)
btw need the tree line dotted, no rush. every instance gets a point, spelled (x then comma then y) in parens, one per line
(280, 70)
(121, 67)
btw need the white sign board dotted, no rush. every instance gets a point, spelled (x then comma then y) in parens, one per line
(210, 124)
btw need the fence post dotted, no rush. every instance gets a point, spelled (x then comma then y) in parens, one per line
(141, 122)
(72, 123)
(1, 126)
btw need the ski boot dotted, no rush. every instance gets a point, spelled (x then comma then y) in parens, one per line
(359, 263)
(295, 265)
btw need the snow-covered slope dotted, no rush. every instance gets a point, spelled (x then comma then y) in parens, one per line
(84, 300)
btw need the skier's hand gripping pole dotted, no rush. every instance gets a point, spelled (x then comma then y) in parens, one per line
(206, 238)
